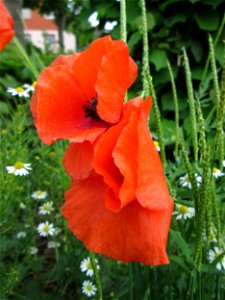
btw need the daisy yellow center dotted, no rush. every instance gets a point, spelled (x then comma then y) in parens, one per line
(89, 288)
(47, 207)
(212, 236)
(183, 209)
(46, 228)
(156, 144)
(89, 266)
(34, 83)
(217, 255)
(215, 170)
(39, 193)
(19, 89)
(19, 165)
(187, 179)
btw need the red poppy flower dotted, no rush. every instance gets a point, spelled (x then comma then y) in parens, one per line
(123, 208)
(6, 26)
(80, 95)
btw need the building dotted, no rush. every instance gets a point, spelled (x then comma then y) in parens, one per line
(43, 32)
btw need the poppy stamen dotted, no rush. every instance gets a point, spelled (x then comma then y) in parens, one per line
(90, 109)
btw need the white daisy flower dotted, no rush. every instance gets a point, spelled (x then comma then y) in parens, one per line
(22, 205)
(184, 212)
(57, 231)
(19, 169)
(30, 87)
(86, 266)
(45, 229)
(224, 163)
(39, 195)
(185, 180)
(33, 250)
(88, 288)
(156, 143)
(214, 254)
(21, 235)
(53, 244)
(212, 236)
(18, 91)
(217, 173)
(46, 208)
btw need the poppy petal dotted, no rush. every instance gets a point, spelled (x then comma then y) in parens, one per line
(86, 67)
(6, 26)
(133, 234)
(61, 115)
(116, 74)
(152, 191)
(124, 154)
(77, 160)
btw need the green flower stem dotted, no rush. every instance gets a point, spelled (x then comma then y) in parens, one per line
(220, 31)
(176, 107)
(191, 104)
(191, 174)
(31, 66)
(205, 190)
(96, 275)
(123, 21)
(145, 67)
(157, 120)
(220, 119)
(202, 138)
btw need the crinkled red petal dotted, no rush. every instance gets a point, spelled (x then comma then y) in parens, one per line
(132, 234)
(58, 105)
(77, 160)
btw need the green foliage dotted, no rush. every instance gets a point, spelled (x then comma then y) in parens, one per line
(55, 273)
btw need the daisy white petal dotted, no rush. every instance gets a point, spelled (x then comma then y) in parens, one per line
(21, 235)
(217, 173)
(53, 244)
(46, 229)
(214, 255)
(19, 169)
(18, 91)
(46, 208)
(184, 212)
(86, 266)
(39, 195)
(88, 288)
(33, 250)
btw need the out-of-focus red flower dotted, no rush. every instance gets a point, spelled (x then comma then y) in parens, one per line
(6, 26)
(78, 96)
(122, 208)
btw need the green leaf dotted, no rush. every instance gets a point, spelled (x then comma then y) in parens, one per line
(159, 58)
(134, 40)
(207, 19)
(150, 21)
(177, 260)
(196, 49)
(213, 3)
(4, 108)
(219, 53)
(178, 239)
(178, 17)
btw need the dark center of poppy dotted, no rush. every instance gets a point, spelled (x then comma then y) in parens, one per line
(90, 109)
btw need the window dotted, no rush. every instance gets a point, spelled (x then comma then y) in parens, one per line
(50, 16)
(26, 13)
(27, 37)
(49, 39)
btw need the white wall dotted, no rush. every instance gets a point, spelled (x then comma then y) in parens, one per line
(37, 37)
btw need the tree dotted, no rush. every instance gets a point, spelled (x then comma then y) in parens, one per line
(14, 7)
(58, 7)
